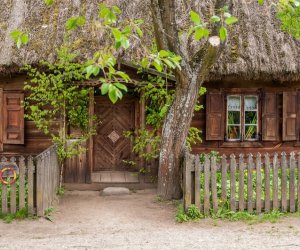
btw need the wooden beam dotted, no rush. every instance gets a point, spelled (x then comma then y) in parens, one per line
(91, 139)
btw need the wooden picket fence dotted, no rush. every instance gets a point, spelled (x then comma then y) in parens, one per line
(36, 185)
(254, 184)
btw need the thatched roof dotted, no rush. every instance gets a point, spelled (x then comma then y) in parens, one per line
(256, 49)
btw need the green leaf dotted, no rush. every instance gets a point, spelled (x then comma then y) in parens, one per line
(89, 71)
(125, 43)
(74, 22)
(215, 19)
(24, 38)
(127, 30)
(223, 33)
(19, 42)
(200, 33)
(48, 2)
(195, 17)
(121, 86)
(104, 88)
(119, 93)
(117, 33)
(123, 75)
(157, 64)
(145, 63)
(139, 31)
(15, 34)
(260, 2)
(163, 53)
(231, 20)
(112, 94)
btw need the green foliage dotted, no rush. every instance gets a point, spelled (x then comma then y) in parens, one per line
(60, 191)
(289, 15)
(74, 22)
(48, 2)
(48, 213)
(19, 37)
(194, 136)
(192, 214)
(104, 61)
(163, 61)
(56, 99)
(225, 213)
(201, 29)
(142, 140)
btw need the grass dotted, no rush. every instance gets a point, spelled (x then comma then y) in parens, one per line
(224, 213)
(19, 215)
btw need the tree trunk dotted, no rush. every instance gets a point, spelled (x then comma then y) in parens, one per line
(173, 139)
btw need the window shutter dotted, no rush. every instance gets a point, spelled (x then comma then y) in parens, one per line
(13, 114)
(1, 120)
(289, 122)
(270, 125)
(214, 116)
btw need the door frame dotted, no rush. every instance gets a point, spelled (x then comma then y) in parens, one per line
(139, 122)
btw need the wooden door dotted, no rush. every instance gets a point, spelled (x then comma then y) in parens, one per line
(111, 148)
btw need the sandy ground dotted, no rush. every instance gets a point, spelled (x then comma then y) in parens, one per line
(86, 220)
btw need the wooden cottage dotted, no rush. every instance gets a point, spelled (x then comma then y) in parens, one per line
(252, 102)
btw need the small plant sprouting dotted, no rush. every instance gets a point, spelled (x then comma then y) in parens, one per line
(48, 213)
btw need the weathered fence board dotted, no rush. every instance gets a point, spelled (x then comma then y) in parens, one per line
(258, 183)
(35, 187)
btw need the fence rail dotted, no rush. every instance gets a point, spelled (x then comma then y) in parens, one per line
(260, 183)
(35, 188)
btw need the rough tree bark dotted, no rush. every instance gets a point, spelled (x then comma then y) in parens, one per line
(189, 79)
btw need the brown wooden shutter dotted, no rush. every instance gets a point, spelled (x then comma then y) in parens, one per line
(214, 116)
(1, 120)
(13, 114)
(270, 123)
(289, 121)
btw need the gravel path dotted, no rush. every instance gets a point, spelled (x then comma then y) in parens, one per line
(85, 220)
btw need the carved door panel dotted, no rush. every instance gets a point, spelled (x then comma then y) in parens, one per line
(111, 147)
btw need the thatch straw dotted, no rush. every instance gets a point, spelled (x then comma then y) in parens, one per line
(256, 48)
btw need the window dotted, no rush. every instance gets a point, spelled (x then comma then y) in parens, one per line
(242, 114)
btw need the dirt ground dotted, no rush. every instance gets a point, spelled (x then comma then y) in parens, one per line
(86, 220)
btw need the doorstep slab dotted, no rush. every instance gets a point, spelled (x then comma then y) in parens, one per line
(115, 191)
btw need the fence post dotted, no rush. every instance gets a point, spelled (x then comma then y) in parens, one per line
(275, 181)
(39, 185)
(13, 194)
(206, 185)
(232, 182)
(250, 184)
(258, 183)
(214, 184)
(30, 185)
(292, 182)
(22, 168)
(197, 182)
(4, 193)
(267, 183)
(224, 178)
(283, 182)
(241, 183)
(187, 181)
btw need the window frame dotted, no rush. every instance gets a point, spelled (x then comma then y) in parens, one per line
(243, 116)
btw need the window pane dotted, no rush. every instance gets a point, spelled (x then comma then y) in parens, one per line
(233, 132)
(234, 117)
(250, 103)
(251, 132)
(234, 103)
(250, 117)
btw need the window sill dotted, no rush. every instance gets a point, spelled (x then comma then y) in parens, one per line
(235, 144)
